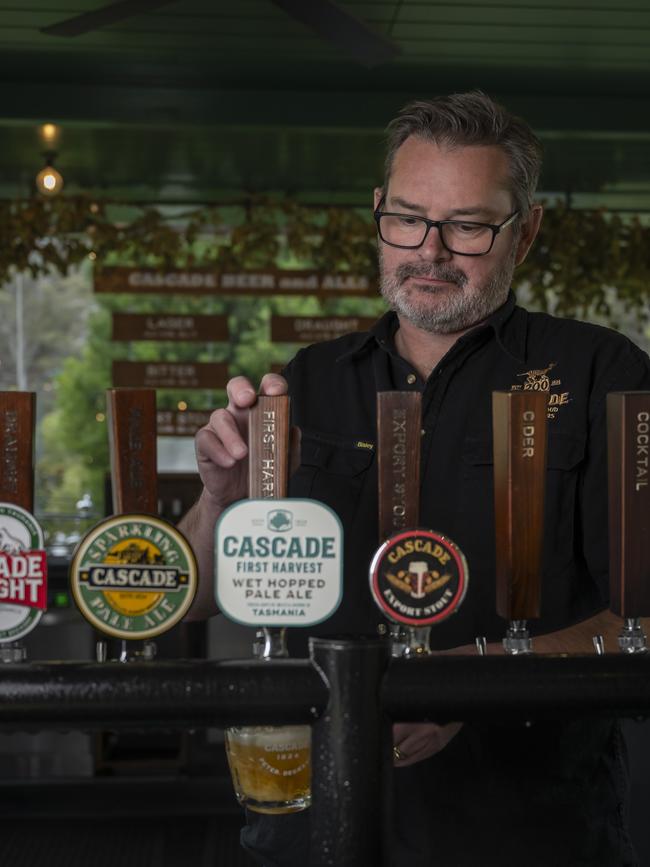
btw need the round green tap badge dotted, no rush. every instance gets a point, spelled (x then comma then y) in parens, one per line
(133, 576)
(23, 572)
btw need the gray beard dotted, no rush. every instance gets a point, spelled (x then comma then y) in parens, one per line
(461, 308)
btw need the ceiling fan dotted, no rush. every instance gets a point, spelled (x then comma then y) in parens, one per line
(329, 20)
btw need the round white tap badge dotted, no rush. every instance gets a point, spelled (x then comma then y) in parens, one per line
(278, 562)
(23, 572)
(133, 576)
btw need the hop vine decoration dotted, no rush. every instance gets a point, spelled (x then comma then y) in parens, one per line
(579, 257)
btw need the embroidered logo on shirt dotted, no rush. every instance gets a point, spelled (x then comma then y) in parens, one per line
(539, 380)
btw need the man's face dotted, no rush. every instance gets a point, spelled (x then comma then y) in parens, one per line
(432, 288)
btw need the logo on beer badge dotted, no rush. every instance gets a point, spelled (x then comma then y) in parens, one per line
(23, 572)
(133, 576)
(418, 577)
(279, 566)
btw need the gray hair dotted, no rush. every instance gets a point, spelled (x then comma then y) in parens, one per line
(472, 118)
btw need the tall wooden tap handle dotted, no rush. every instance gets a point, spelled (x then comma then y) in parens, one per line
(132, 439)
(519, 427)
(398, 459)
(17, 420)
(628, 446)
(268, 447)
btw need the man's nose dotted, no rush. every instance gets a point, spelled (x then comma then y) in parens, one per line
(433, 250)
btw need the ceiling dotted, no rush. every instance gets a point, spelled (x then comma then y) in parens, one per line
(205, 99)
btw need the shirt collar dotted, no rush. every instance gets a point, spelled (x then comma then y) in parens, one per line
(509, 324)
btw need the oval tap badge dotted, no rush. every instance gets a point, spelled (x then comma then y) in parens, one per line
(278, 562)
(418, 577)
(133, 576)
(23, 572)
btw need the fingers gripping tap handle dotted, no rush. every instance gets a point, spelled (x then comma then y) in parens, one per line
(132, 440)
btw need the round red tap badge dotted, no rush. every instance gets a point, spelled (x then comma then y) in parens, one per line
(133, 576)
(23, 572)
(418, 577)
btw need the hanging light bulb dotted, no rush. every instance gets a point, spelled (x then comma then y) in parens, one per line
(49, 182)
(49, 135)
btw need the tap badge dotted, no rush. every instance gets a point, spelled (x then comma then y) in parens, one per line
(23, 572)
(133, 576)
(418, 577)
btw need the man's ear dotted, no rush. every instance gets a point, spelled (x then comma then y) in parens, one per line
(378, 195)
(529, 229)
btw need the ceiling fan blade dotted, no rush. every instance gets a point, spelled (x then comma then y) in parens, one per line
(110, 14)
(350, 33)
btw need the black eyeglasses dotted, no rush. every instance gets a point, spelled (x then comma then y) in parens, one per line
(458, 236)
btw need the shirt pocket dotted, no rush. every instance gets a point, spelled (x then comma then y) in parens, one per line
(564, 459)
(332, 470)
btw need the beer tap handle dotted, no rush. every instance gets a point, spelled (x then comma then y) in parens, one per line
(132, 439)
(628, 446)
(599, 645)
(268, 447)
(17, 420)
(519, 429)
(399, 432)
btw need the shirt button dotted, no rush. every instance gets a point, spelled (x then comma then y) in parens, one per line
(423, 432)
(381, 628)
(411, 378)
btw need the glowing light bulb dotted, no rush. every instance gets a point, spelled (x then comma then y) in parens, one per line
(182, 405)
(49, 182)
(49, 134)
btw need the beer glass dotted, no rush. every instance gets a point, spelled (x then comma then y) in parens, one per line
(270, 767)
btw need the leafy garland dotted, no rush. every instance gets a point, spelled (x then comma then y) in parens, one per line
(578, 258)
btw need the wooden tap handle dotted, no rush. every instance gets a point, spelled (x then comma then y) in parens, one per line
(398, 459)
(519, 427)
(268, 447)
(17, 421)
(628, 447)
(132, 438)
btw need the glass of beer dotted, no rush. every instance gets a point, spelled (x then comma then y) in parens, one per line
(270, 767)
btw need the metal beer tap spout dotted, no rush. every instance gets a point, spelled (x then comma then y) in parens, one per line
(417, 643)
(518, 641)
(632, 638)
(274, 643)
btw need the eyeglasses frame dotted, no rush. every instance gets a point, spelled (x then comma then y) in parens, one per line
(495, 228)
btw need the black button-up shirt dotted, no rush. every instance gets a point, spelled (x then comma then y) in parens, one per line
(333, 388)
(550, 793)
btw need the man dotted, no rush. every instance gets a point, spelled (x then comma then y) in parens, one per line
(455, 216)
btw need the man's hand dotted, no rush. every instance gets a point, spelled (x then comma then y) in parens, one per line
(221, 446)
(413, 742)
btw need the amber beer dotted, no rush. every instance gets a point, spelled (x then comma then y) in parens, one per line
(270, 767)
